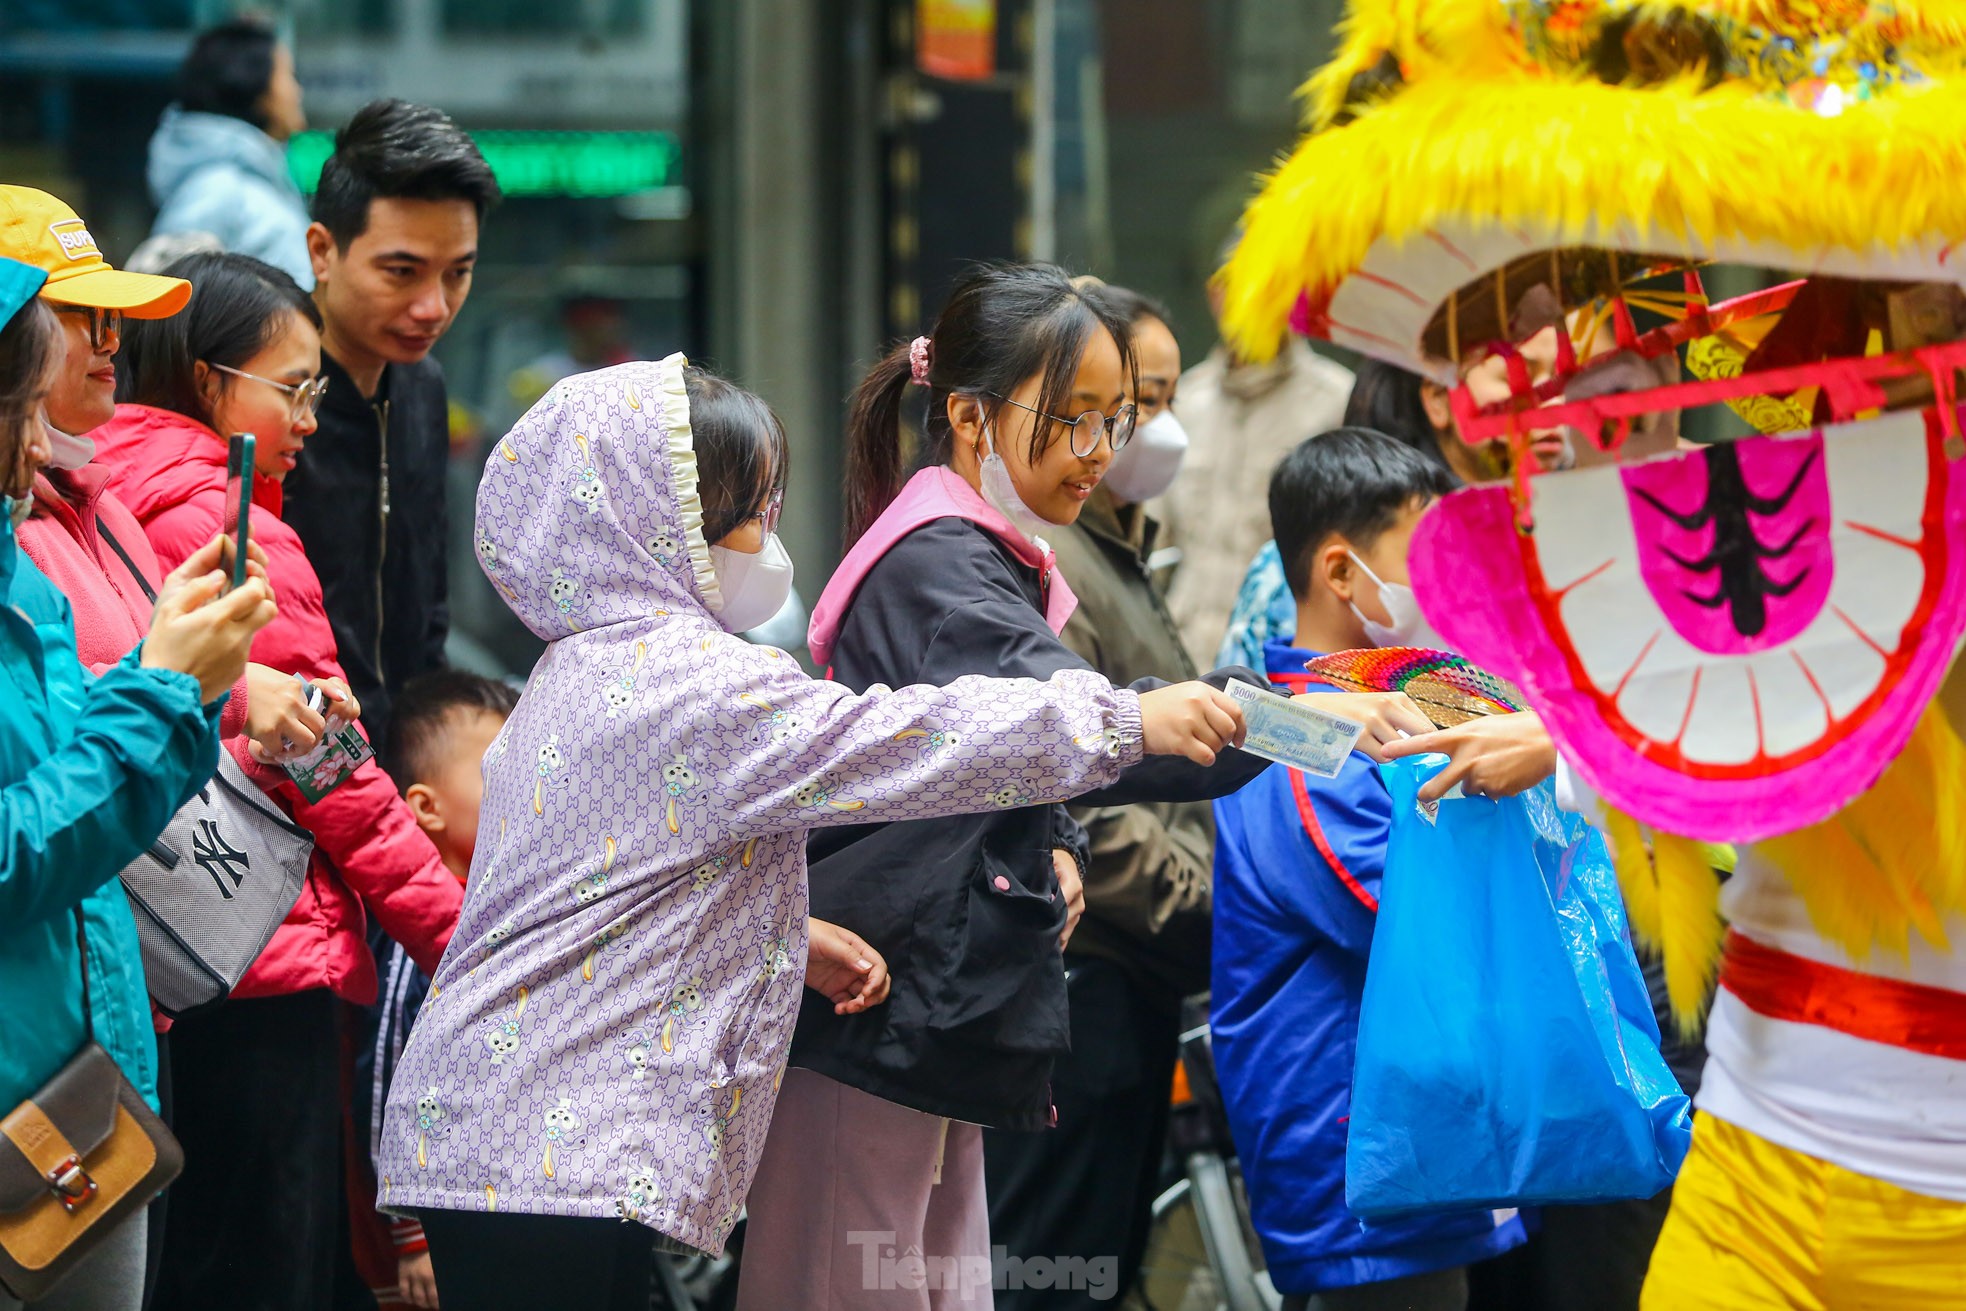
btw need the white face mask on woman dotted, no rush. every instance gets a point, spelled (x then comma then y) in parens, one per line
(68, 451)
(1001, 492)
(754, 583)
(1408, 628)
(1148, 465)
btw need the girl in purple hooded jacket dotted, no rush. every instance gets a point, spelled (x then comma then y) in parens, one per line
(604, 1040)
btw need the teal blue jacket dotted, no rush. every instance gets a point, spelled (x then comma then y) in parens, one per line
(90, 771)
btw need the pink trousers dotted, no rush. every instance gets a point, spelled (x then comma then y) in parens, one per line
(863, 1205)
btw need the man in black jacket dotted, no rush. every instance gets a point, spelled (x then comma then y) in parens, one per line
(393, 244)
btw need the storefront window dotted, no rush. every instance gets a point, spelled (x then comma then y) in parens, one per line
(1173, 107)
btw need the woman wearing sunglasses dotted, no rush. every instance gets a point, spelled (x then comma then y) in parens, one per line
(257, 1078)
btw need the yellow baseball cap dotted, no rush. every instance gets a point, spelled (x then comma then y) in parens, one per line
(38, 229)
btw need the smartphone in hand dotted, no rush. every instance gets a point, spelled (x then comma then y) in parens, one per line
(239, 456)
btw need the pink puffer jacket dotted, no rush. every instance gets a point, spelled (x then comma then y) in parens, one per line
(170, 471)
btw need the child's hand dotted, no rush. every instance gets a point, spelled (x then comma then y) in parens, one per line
(416, 1282)
(1073, 887)
(1189, 719)
(1494, 756)
(1388, 717)
(844, 969)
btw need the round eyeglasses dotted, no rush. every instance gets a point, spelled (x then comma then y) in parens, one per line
(1088, 428)
(305, 397)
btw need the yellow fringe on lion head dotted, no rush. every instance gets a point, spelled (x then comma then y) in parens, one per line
(1470, 129)
(1423, 37)
(1725, 162)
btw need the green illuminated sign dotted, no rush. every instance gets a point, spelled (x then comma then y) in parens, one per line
(540, 163)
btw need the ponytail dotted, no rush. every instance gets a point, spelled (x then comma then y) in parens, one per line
(1004, 324)
(873, 442)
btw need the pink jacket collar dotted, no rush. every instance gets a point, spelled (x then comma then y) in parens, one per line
(937, 492)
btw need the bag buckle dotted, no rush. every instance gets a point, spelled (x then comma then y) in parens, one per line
(71, 1183)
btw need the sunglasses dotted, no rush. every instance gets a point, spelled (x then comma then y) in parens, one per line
(105, 326)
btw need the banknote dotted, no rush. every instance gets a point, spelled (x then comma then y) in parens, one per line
(1292, 731)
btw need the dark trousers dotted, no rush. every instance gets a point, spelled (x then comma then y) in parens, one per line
(1440, 1290)
(1584, 1258)
(1086, 1188)
(514, 1262)
(256, 1102)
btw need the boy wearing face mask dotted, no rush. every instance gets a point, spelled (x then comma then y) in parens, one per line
(1298, 861)
(1085, 1188)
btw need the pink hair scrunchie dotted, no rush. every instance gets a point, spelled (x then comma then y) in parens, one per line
(918, 361)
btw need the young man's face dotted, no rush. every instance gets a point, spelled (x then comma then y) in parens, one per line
(396, 288)
(1338, 562)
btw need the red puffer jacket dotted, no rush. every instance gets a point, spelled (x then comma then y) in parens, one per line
(68, 538)
(170, 471)
(74, 516)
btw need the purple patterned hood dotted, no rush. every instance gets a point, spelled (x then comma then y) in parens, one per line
(624, 538)
(606, 1034)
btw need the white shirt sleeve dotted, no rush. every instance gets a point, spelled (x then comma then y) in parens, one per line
(1576, 795)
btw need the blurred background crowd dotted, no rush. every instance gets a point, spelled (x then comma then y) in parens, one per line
(775, 187)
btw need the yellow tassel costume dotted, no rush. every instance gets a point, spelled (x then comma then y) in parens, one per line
(1460, 153)
(1478, 131)
(1485, 113)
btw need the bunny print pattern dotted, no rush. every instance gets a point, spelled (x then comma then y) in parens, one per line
(624, 985)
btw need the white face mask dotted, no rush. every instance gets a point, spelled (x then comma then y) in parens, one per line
(70, 452)
(1148, 465)
(1408, 628)
(754, 584)
(1001, 492)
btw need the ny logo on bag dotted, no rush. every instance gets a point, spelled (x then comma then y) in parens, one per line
(217, 857)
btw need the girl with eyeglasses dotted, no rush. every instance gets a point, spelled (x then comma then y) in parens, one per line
(257, 1078)
(598, 1073)
(1030, 388)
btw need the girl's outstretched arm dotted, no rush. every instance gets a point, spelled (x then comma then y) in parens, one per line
(810, 753)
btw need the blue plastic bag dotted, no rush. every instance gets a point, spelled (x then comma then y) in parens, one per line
(1507, 1051)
